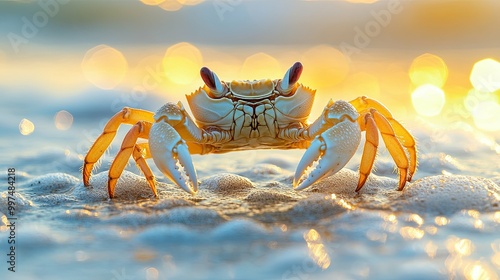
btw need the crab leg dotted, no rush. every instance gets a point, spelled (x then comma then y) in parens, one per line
(369, 150)
(127, 116)
(394, 146)
(140, 154)
(139, 130)
(331, 149)
(364, 103)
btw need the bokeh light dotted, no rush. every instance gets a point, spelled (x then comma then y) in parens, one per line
(26, 127)
(411, 233)
(170, 5)
(487, 116)
(479, 270)
(182, 63)
(190, 2)
(428, 69)
(261, 66)
(485, 75)
(428, 100)
(474, 97)
(63, 120)
(152, 273)
(326, 66)
(362, 83)
(317, 250)
(104, 66)
(152, 2)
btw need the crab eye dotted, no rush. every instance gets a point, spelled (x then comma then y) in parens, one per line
(291, 77)
(217, 89)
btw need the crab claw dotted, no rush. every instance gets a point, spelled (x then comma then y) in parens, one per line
(170, 154)
(331, 150)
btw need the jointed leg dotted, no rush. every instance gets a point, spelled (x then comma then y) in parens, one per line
(364, 103)
(139, 130)
(127, 116)
(140, 154)
(370, 148)
(394, 146)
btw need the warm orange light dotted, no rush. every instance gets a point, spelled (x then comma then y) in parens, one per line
(458, 246)
(428, 69)
(431, 249)
(360, 84)
(104, 66)
(182, 63)
(326, 67)
(487, 116)
(485, 75)
(190, 2)
(170, 5)
(26, 127)
(417, 219)
(428, 100)
(411, 233)
(152, 2)
(261, 66)
(479, 270)
(316, 248)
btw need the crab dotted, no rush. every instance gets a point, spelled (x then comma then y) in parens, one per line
(257, 114)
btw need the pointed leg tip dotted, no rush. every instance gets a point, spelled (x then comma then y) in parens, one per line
(410, 177)
(361, 182)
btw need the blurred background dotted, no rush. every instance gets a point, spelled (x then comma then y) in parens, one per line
(67, 66)
(66, 63)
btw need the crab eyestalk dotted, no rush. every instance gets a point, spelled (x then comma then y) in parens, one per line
(217, 89)
(290, 79)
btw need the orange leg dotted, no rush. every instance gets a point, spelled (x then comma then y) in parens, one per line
(127, 116)
(139, 130)
(394, 146)
(406, 139)
(140, 154)
(369, 150)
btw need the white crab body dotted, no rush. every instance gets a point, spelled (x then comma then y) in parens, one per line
(254, 112)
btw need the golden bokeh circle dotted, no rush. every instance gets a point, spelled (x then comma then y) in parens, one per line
(26, 127)
(428, 69)
(182, 63)
(104, 66)
(485, 75)
(324, 66)
(261, 66)
(428, 100)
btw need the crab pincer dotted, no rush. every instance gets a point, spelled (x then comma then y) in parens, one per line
(171, 155)
(331, 149)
